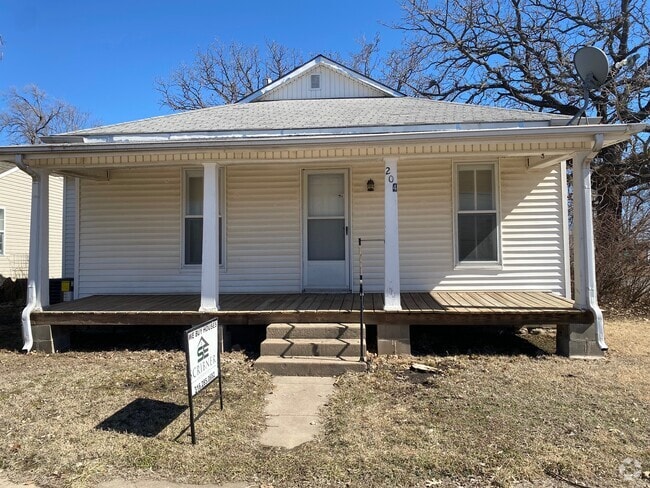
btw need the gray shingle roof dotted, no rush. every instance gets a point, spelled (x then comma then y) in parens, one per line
(320, 114)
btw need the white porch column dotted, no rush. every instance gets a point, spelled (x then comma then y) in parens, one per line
(43, 290)
(391, 237)
(39, 336)
(38, 274)
(210, 256)
(583, 340)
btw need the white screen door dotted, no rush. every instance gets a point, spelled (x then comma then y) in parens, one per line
(325, 237)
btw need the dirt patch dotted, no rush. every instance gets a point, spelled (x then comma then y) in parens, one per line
(514, 418)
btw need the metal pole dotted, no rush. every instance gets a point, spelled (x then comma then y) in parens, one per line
(189, 389)
(362, 352)
(361, 297)
(219, 366)
(192, 428)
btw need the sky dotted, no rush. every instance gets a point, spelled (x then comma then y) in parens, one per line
(104, 56)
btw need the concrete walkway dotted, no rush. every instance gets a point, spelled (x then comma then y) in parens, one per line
(292, 409)
(5, 483)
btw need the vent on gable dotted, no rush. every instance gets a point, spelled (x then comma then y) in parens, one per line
(315, 82)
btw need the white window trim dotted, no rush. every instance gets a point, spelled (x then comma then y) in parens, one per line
(222, 214)
(3, 231)
(483, 265)
(320, 81)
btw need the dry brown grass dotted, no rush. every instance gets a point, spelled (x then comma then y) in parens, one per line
(488, 420)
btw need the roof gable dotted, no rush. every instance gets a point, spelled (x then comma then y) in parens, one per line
(335, 81)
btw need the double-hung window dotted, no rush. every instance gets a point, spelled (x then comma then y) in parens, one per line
(2, 231)
(193, 216)
(476, 214)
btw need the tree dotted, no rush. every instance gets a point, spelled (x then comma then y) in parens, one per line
(224, 74)
(365, 60)
(30, 114)
(519, 53)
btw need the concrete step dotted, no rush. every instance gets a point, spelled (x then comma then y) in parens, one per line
(310, 347)
(309, 366)
(312, 331)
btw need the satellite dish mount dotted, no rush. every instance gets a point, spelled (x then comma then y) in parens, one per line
(593, 68)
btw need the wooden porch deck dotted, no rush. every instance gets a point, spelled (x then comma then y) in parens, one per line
(422, 308)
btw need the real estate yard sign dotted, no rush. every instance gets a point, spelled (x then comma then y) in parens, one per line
(202, 351)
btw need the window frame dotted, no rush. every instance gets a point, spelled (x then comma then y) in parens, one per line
(457, 168)
(312, 76)
(186, 173)
(3, 233)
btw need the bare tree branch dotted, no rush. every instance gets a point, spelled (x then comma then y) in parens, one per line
(224, 74)
(518, 53)
(31, 114)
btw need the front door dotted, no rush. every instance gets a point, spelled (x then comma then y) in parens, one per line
(325, 231)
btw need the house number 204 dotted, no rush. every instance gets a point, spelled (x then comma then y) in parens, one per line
(391, 178)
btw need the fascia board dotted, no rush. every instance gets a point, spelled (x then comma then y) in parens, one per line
(613, 134)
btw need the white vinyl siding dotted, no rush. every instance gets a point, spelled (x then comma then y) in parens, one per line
(69, 225)
(2, 231)
(16, 199)
(367, 224)
(130, 232)
(530, 214)
(332, 85)
(263, 229)
(131, 229)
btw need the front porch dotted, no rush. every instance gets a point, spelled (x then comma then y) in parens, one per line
(496, 308)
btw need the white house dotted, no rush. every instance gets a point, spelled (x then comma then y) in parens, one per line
(15, 205)
(271, 195)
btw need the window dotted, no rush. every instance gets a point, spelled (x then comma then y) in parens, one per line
(476, 214)
(2, 231)
(315, 82)
(193, 216)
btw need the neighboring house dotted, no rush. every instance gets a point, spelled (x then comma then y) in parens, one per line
(15, 208)
(461, 210)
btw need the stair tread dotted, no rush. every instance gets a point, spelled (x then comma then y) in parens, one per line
(315, 340)
(308, 331)
(308, 359)
(309, 365)
(315, 324)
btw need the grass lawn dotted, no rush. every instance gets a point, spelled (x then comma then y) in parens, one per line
(492, 416)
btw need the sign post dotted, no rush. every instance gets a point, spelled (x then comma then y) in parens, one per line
(202, 352)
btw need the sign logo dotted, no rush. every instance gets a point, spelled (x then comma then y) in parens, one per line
(203, 350)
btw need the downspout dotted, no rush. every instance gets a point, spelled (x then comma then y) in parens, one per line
(590, 293)
(34, 265)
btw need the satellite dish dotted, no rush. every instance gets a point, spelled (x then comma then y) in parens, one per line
(592, 65)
